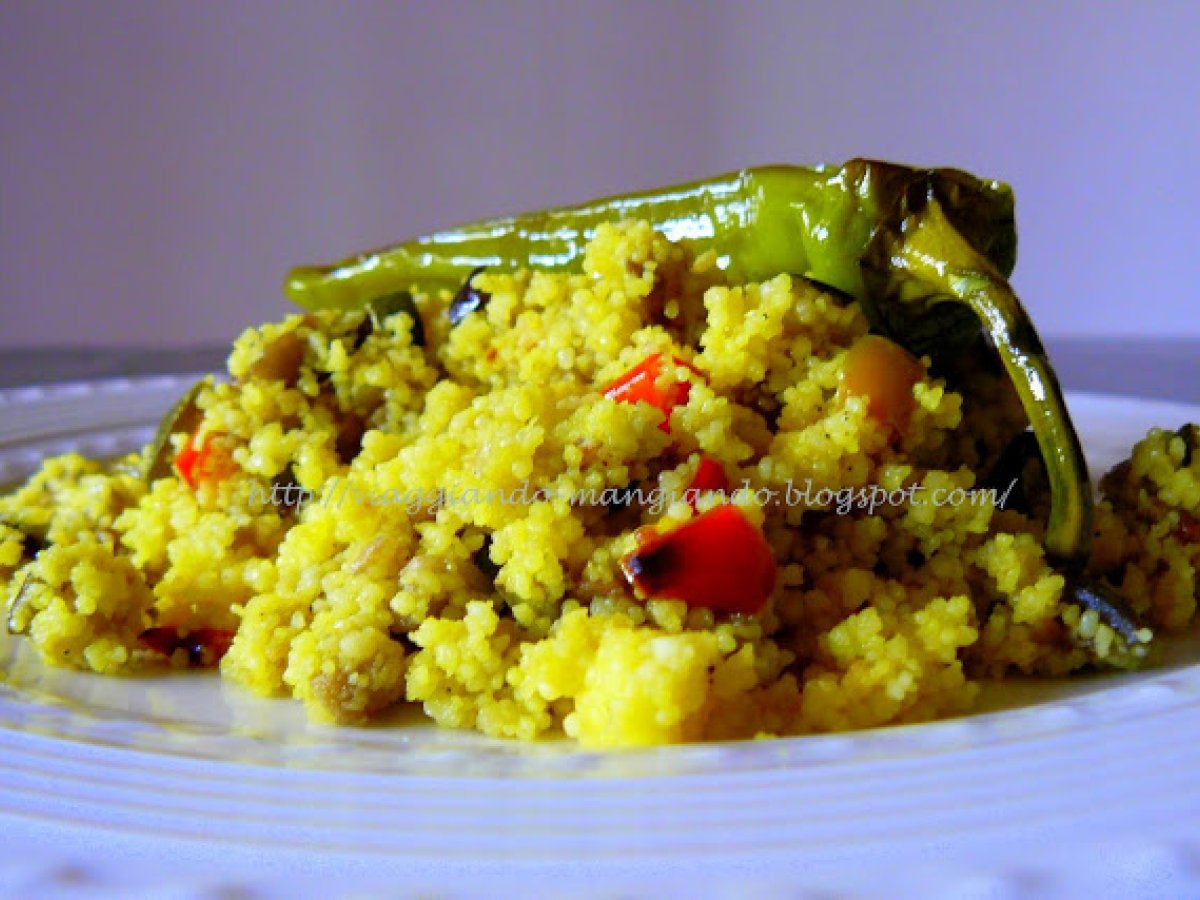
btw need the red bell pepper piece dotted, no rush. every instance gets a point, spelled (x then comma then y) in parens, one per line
(643, 384)
(718, 560)
(1188, 530)
(200, 460)
(187, 462)
(709, 477)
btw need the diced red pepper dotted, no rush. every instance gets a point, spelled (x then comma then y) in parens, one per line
(187, 461)
(200, 460)
(709, 477)
(643, 384)
(1189, 528)
(204, 646)
(718, 560)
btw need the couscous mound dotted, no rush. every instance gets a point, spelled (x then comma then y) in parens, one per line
(519, 514)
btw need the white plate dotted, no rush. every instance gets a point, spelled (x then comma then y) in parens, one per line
(181, 783)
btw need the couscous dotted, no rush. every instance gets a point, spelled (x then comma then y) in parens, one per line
(645, 502)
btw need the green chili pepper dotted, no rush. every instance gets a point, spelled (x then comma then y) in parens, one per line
(901, 240)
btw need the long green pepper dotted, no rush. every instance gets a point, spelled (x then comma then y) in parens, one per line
(900, 240)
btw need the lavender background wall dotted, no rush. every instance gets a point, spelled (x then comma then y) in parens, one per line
(161, 164)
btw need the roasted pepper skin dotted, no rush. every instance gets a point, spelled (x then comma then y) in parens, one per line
(901, 240)
(813, 221)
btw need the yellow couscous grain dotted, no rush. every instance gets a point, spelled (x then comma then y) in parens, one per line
(374, 519)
